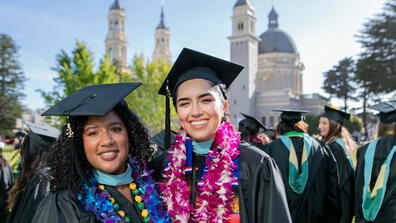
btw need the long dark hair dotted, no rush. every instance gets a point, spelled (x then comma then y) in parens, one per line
(60, 160)
(33, 150)
(247, 131)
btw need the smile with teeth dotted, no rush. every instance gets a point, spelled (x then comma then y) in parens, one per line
(108, 156)
(197, 123)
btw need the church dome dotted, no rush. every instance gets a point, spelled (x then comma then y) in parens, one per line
(274, 39)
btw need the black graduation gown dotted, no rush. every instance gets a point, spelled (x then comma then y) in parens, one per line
(319, 201)
(27, 201)
(5, 186)
(261, 191)
(347, 182)
(387, 212)
(63, 207)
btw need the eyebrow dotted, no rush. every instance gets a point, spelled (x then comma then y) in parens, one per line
(95, 126)
(200, 96)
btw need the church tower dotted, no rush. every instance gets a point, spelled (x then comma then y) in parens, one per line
(244, 51)
(162, 51)
(116, 41)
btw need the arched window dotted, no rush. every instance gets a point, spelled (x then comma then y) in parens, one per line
(240, 26)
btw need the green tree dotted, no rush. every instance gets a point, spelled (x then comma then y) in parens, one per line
(354, 123)
(378, 38)
(11, 84)
(338, 81)
(367, 91)
(77, 71)
(313, 123)
(146, 101)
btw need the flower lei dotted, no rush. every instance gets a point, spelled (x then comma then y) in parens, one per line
(96, 200)
(216, 192)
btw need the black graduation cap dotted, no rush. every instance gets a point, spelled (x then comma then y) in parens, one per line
(43, 130)
(252, 122)
(387, 111)
(42, 135)
(191, 64)
(92, 100)
(333, 113)
(291, 115)
(159, 139)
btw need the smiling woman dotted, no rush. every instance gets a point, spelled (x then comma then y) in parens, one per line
(209, 175)
(98, 162)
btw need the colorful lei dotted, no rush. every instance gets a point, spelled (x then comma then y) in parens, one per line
(96, 199)
(216, 192)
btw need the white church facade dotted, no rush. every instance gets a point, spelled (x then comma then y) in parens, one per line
(273, 73)
(272, 78)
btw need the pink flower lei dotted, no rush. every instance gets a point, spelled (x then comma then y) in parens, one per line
(216, 192)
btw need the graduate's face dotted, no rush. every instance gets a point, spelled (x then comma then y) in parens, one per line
(324, 126)
(106, 143)
(199, 108)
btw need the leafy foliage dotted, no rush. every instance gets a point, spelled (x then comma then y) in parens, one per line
(353, 124)
(338, 81)
(378, 38)
(145, 101)
(11, 84)
(313, 123)
(77, 71)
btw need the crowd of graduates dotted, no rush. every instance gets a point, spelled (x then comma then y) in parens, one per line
(104, 167)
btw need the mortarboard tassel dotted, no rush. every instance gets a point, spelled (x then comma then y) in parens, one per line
(167, 117)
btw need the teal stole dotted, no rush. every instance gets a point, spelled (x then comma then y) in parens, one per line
(372, 199)
(297, 180)
(114, 180)
(347, 152)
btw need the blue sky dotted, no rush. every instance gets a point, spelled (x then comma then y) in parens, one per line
(324, 31)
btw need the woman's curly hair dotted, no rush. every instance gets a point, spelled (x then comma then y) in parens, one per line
(60, 158)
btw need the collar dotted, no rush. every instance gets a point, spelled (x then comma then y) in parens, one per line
(114, 180)
(202, 147)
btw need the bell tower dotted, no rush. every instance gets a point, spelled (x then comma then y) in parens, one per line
(116, 41)
(162, 51)
(244, 51)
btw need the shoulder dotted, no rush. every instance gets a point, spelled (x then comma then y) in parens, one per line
(251, 154)
(253, 160)
(62, 206)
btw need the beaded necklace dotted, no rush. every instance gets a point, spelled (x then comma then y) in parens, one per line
(136, 193)
(95, 198)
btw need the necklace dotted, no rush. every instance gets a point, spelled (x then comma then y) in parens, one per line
(216, 193)
(95, 198)
(135, 192)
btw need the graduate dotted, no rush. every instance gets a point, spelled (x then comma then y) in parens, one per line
(98, 162)
(33, 184)
(376, 173)
(249, 129)
(210, 175)
(309, 172)
(5, 184)
(339, 141)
